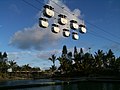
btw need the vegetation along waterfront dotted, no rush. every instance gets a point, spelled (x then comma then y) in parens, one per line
(76, 64)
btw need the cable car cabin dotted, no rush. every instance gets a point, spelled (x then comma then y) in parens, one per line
(74, 25)
(43, 22)
(66, 33)
(82, 28)
(55, 28)
(62, 19)
(48, 11)
(75, 36)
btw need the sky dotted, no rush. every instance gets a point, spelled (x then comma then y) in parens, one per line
(27, 43)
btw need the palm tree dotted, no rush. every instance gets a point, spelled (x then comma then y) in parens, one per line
(117, 65)
(87, 60)
(65, 65)
(77, 64)
(99, 57)
(78, 59)
(12, 64)
(64, 51)
(110, 58)
(75, 51)
(4, 56)
(26, 67)
(69, 56)
(53, 59)
(60, 59)
(0, 56)
(3, 62)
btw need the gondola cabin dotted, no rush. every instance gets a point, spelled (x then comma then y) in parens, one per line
(74, 25)
(48, 11)
(82, 28)
(66, 33)
(43, 22)
(55, 28)
(62, 19)
(75, 36)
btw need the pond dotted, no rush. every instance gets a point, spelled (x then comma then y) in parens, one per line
(80, 86)
(49, 84)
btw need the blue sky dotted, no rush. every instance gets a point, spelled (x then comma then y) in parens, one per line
(25, 42)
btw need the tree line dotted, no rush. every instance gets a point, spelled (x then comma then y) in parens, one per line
(79, 63)
(76, 63)
(10, 66)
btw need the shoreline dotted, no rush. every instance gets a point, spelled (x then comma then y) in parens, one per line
(61, 78)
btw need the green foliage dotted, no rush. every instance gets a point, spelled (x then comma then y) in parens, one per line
(53, 59)
(3, 56)
(26, 67)
(87, 64)
(75, 51)
(78, 63)
(64, 51)
(5, 65)
(3, 62)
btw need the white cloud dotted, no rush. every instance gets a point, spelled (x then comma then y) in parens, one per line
(61, 8)
(47, 54)
(38, 38)
(18, 55)
(35, 38)
(38, 58)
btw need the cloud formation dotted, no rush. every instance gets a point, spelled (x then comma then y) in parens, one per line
(38, 38)
(46, 54)
(38, 59)
(34, 38)
(61, 8)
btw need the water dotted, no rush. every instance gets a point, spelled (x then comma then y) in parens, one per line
(80, 86)
(74, 86)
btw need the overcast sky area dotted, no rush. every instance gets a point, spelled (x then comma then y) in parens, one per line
(27, 43)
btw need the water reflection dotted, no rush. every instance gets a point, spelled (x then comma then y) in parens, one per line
(76, 86)
(80, 86)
